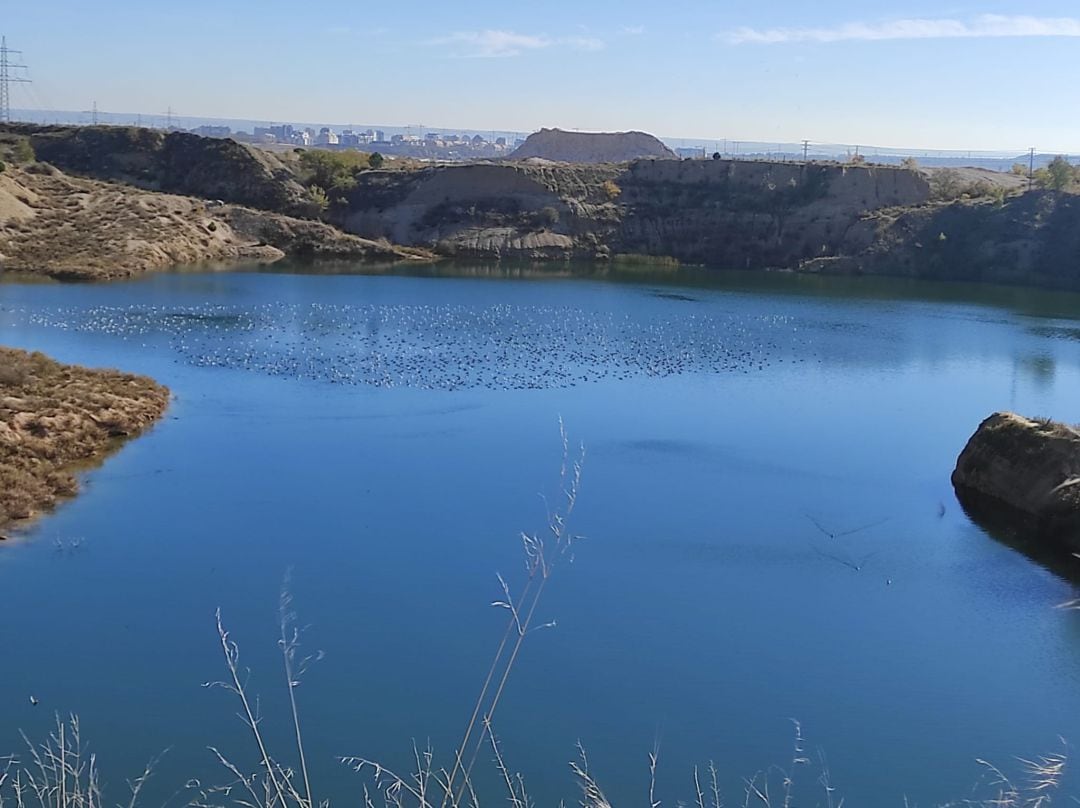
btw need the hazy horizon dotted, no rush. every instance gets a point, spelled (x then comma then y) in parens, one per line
(925, 78)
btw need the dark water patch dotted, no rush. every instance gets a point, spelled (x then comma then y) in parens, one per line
(447, 347)
(1056, 332)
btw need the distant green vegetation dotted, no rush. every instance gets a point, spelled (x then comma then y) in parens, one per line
(1060, 175)
(632, 260)
(335, 171)
(16, 149)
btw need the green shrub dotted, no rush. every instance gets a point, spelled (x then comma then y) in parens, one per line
(335, 170)
(319, 197)
(22, 152)
(1057, 176)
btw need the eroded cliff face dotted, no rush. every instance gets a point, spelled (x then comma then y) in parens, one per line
(174, 162)
(1033, 239)
(753, 214)
(722, 212)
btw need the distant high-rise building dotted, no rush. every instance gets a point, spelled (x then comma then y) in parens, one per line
(380, 135)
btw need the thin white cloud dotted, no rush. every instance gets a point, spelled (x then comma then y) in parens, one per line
(585, 43)
(632, 30)
(498, 44)
(982, 27)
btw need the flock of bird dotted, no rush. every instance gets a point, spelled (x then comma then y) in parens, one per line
(449, 346)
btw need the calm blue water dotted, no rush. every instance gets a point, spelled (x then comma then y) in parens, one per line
(387, 438)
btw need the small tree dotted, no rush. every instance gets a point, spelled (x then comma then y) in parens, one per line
(1059, 174)
(1019, 169)
(376, 160)
(23, 152)
(549, 217)
(910, 163)
(946, 185)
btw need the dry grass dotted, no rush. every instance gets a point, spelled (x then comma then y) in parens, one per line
(73, 228)
(55, 418)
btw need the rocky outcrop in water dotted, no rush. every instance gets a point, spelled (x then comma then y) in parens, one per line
(1025, 472)
(591, 147)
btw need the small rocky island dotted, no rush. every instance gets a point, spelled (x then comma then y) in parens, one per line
(1025, 473)
(55, 419)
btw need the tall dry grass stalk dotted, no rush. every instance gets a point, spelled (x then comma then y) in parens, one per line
(543, 551)
(59, 773)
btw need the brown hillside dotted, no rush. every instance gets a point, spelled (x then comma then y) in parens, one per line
(591, 147)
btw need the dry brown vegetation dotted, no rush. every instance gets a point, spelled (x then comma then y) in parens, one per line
(55, 418)
(74, 228)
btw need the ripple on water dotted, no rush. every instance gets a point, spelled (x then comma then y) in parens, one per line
(445, 347)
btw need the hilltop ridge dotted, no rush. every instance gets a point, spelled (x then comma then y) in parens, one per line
(561, 146)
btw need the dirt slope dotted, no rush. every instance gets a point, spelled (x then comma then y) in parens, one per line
(73, 228)
(591, 147)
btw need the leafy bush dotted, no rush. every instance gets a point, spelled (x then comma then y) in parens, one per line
(333, 170)
(319, 197)
(2, 166)
(376, 160)
(910, 163)
(611, 190)
(548, 217)
(22, 152)
(1057, 176)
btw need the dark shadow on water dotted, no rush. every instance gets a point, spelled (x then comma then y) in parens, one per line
(1033, 302)
(1021, 532)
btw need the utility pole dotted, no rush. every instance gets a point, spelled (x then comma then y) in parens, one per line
(93, 114)
(6, 79)
(168, 119)
(805, 149)
(1031, 167)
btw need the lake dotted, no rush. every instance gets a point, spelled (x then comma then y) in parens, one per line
(767, 528)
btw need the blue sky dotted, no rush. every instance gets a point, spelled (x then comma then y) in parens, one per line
(964, 75)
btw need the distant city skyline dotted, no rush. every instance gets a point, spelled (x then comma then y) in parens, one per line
(978, 76)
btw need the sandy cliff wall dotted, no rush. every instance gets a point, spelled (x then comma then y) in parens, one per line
(729, 213)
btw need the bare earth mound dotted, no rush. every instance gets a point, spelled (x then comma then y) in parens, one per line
(74, 228)
(592, 147)
(55, 418)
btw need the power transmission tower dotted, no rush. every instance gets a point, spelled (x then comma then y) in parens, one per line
(6, 79)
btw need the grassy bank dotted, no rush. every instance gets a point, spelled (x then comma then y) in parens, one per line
(55, 418)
